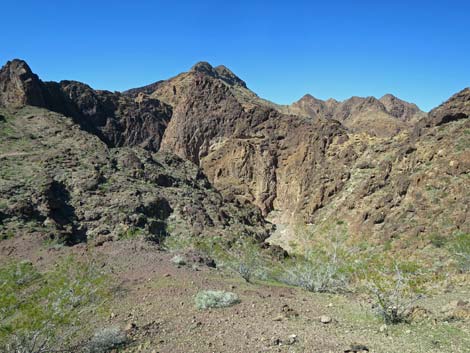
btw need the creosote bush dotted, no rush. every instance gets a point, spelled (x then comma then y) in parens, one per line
(215, 299)
(394, 292)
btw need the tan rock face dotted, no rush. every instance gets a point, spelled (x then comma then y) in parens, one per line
(257, 154)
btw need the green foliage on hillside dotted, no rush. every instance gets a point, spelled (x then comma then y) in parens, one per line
(41, 312)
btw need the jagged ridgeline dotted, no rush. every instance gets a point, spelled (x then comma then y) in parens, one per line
(202, 154)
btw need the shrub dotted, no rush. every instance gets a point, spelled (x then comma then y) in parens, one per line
(460, 248)
(43, 312)
(106, 339)
(215, 299)
(246, 259)
(178, 260)
(316, 273)
(394, 294)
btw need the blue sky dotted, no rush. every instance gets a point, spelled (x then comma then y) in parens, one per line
(417, 50)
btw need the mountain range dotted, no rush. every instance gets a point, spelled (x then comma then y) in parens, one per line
(200, 153)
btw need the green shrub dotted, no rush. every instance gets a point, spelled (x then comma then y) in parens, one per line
(246, 259)
(460, 248)
(43, 312)
(438, 240)
(215, 299)
(394, 292)
(316, 273)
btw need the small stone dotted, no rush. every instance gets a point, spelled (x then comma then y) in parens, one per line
(383, 328)
(276, 341)
(278, 318)
(291, 339)
(325, 319)
(166, 275)
(130, 326)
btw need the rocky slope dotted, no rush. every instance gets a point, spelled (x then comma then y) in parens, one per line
(363, 162)
(63, 182)
(367, 171)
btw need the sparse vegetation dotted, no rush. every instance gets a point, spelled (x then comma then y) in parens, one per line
(393, 293)
(43, 312)
(215, 299)
(460, 248)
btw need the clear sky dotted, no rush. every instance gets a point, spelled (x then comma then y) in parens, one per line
(417, 50)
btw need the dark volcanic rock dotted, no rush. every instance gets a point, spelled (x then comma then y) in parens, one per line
(19, 86)
(116, 119)
(456, 108)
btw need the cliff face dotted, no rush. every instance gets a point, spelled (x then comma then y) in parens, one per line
(252, 152)
(381, 166)
(355, 161)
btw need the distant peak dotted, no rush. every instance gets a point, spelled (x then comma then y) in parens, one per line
(309, 97)
(228, 76)
(220, 72)
(203, 66)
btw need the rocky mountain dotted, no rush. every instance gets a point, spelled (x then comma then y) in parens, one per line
(384, 117)
(382, 168)
(116, 119)
(313, 169)
(89, 172)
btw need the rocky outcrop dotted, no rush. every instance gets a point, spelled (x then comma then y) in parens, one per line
(252, 153)
(84, 191)
(19, 86)
(401, 109)
(456, 108)
(117, 119)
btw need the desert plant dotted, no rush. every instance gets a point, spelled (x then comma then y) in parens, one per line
(215, 299)
(324, 269)
(178, 260)
(394, 294)
(43, 312)
(460, 248)
(106, 339)
(246, 259)
(316, 273)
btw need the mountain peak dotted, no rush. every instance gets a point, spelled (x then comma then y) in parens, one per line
(220, 72)
(202, 66)
(19, 85)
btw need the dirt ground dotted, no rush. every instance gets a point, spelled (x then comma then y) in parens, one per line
(154, 302)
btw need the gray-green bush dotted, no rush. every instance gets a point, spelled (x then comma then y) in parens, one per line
(106, 339)
(215, 299)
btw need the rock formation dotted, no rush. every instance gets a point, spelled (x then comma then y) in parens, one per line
(381, 168)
